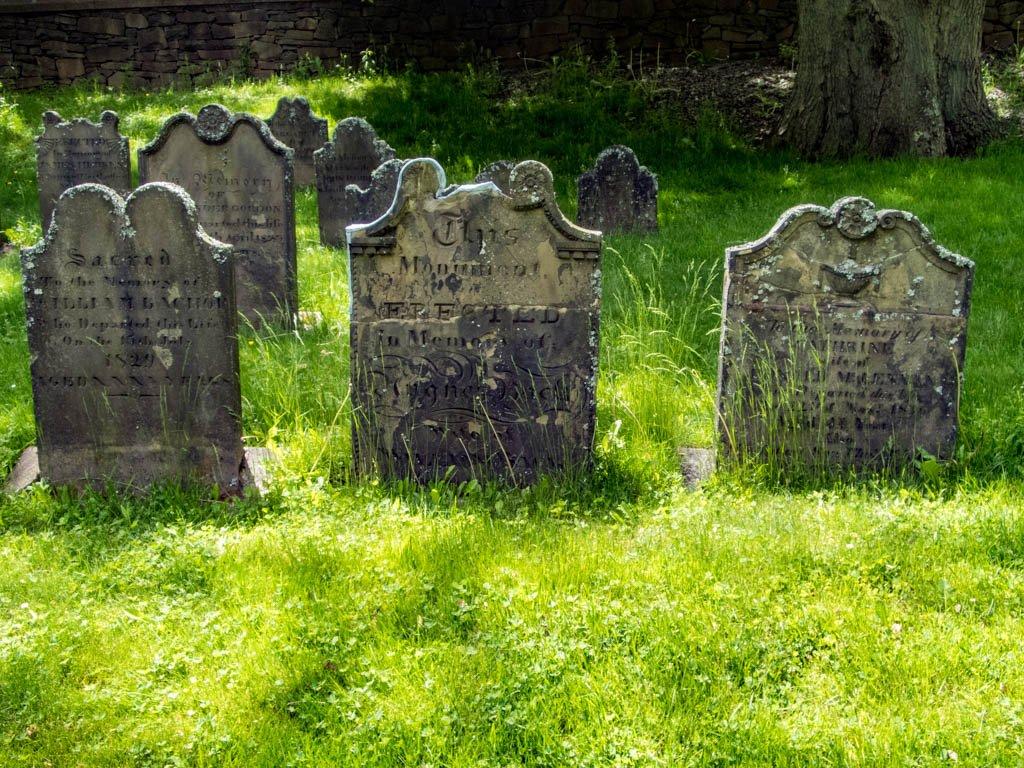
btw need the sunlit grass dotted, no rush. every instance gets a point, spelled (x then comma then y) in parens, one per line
(606, 618)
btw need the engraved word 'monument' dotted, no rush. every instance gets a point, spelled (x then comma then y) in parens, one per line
(843, 338)
(618, 194)
(131, 329)
(240, 177)
(294, 125)
(474, 330)
(79, 152)
(349, 159)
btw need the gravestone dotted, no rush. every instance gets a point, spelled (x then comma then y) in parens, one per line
(77, 152)
(497, 173)
(294, 125)
(131, 330)
(843, 339)
(618, 194)
(474, 331)
(367, 205)
(350, 158)
(240, 177)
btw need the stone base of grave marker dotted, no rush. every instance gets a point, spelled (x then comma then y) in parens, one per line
(255, 472)
(696, 465)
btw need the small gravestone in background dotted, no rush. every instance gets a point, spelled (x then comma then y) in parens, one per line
(474, 331)
(367, 205)
(294, 125)
(497, 173)
(618, 194)
(78, 152)
(350, 158)
(131, 328)
(240, 177)
(843, 339)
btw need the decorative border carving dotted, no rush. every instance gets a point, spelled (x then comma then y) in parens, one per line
(531, 186)
(119, 206)
(856, 218)
(214, 125)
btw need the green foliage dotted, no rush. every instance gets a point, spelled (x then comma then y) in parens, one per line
(604, 618)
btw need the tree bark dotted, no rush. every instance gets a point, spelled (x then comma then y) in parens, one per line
(888, 77)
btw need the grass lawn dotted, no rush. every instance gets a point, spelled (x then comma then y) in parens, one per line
(614, 619)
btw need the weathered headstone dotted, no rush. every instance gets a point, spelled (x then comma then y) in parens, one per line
(131, 329)
(294, 125)
(618, 194)
(367, 205)
(350, 158)
(497, 173)
(843, 339)
(78, 152)
(240, 177)
(474, 331)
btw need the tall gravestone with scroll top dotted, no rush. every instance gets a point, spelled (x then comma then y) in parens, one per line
(131, 329)
(240, 177)
(350, 158)
(475, 321)
(78, 151)
(618, 194)
(294, 125)
(843, 340)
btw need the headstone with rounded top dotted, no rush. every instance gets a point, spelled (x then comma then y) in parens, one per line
(78, 151)
(240, 177)
(294, 125)
(497, 173)
(618, 195)
(367, 205)
(475, 320)
(131, 330)
(349, 158)
(843, 339)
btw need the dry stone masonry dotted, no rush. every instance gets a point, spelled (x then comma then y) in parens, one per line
(77, 151)
(350, 158)
(618, 194)
(149, 42)
(294, 125)
(475, 320)
(131, 328)
(152, 43)
(843, 339)
(240, 177)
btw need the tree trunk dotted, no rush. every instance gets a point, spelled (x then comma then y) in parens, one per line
(888, 77)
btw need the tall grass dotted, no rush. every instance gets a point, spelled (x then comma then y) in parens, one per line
(609, 618)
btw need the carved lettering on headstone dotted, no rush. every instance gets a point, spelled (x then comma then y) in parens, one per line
(350, 158)
(497, 173)
(294, 125)
(131, 329)
(78, 152)
(474, 331)
(240, 177)
(843, 339)
(618, 194)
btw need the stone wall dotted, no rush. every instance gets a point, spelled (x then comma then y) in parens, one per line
(153, 42)
(1003, 22)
